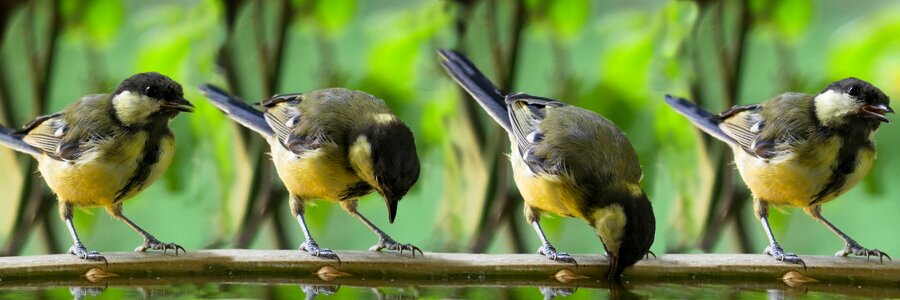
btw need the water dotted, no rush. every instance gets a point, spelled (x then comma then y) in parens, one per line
(236, 288)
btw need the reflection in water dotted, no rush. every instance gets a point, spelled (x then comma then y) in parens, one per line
(313, 290)
(553, 292)
(587, 289)
(79, 292)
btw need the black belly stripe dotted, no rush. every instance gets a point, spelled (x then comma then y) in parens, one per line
(854, 142)
(155, 133)
(356, 190)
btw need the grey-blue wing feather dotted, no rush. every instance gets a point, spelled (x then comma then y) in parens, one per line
(476, 84)
(702, 118)
(237, 109)
(10, 139)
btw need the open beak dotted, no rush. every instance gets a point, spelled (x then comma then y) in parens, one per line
(392, 208)
(179, 104)
(877, 112)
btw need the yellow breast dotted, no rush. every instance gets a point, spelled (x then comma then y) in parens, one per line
(98, 175)
(796, 179)
(323, 173)
(548, 193)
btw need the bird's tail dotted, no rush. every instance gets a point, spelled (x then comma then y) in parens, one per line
(479, 86)
(9, 138)
(705, 120)
(237, 109)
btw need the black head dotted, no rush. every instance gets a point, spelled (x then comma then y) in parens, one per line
(395, 164)
(852, 100)
(148, 95)
(640, 228)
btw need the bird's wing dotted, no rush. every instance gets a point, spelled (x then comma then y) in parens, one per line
(237, 109)
(477, 85)
(50, 135)
(284, 116)
(739, 126)
(526, 113)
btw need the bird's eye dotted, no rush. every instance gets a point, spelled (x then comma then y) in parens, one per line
(150, 92)
(853, 91)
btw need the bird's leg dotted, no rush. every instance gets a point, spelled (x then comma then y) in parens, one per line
(384, 240)
(77, 249)
(850, 245)
(150, 242)
(310, 244)
(546, 249)
(774, 249)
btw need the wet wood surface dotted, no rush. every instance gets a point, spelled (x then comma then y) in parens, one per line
(362, 268)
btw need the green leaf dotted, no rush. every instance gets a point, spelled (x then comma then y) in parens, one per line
(334, 15)
(102, 19)
(567, 17)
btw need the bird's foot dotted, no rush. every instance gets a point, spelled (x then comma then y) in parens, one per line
(153, 244)
(778, 253)
(550, 252)
(81, 252)
(855, 249)
(314, 250)
(387, 242)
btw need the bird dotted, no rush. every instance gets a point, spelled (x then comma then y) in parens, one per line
(333, 144)
(104, 149)
(800, 150)
(568, 161)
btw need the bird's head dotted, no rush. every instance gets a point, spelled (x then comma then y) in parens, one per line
(850, 101)
(147, 97)
(384, 155)
(627, 231)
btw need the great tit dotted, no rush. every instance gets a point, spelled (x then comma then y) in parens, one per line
(105, 149)
(569, 161)
(333, 144)
(801, 150)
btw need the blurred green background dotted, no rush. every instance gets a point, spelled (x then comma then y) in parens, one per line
(617, 58)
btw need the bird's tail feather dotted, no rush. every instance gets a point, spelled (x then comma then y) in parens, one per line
(10, 139)
(703, 119)
(479, 86)
(237, 109)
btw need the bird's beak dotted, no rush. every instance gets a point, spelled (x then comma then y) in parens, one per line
(179, 104)
(613, 267)
(392, 207)
(877, 111)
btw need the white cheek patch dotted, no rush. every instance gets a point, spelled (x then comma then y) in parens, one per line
(832, 107)
(384, 118)
(134, 108)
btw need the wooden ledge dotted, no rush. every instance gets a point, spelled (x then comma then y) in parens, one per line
(366, 268)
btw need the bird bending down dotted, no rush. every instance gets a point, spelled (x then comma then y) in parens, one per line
(105, 149)
(801, 150)
(333, 144)
(571, 162)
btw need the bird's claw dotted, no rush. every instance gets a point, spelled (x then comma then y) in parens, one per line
(154, 244)
(314, 250)
(391, 244)
(855, 249)
(778, 253)
(81, 252)
(550, 252)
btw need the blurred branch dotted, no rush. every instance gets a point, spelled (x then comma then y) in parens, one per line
(266, 199)
(498, 199)
(468, 105)
(728, 201)
(35, 202)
